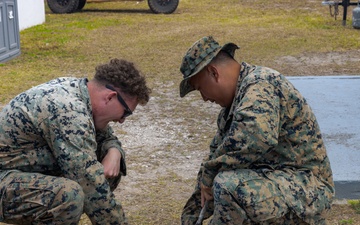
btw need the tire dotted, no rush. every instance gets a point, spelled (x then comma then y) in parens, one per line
(81, 4)
(163, 6)
(63, 6)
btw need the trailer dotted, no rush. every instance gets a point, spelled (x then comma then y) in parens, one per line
(71, 6)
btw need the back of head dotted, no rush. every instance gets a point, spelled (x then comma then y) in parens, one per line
(124, 75)
(223, 57)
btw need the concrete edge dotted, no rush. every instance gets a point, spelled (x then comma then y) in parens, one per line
(346, 190)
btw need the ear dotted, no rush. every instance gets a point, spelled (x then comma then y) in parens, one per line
(109, 95)
(213, 71)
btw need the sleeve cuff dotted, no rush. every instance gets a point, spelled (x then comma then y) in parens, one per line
(208, 177)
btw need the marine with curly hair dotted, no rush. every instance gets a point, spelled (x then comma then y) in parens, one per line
(59, 157)
(267, 162)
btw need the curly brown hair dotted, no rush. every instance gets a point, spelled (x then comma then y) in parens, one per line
(124, 75)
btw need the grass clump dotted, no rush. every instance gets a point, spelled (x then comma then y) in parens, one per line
(346, 222)
(355, 204)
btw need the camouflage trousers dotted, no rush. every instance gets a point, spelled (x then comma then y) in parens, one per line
(243, 197)
(33, 198)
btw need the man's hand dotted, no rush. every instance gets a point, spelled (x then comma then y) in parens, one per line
(206, 194)
(111, 163)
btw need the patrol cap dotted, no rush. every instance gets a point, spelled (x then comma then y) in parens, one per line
(198, 56)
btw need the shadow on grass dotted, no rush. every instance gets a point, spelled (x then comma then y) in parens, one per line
(135, 11)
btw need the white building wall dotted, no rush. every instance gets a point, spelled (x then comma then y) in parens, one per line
(31, 13)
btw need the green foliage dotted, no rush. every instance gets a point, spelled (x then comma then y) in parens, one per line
(345, 222)
(355, 204)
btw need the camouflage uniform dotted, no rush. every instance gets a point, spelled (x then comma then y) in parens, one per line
(267, 162)
(50, 153)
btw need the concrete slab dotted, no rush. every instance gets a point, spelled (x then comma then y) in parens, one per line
(335, 101)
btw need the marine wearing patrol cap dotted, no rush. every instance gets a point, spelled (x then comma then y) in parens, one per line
(198, 56)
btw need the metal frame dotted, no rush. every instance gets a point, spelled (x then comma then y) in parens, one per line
(343, 3)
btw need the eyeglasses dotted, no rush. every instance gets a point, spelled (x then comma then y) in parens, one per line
(127, 111)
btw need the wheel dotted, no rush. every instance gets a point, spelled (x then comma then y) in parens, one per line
(63, 6)
(81, 4)
(163, 6)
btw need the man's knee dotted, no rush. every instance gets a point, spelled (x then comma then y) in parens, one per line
(66, 206)
(248, 193)
(69, 196)
(41, 199)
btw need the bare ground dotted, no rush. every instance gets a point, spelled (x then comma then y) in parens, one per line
(329, 63)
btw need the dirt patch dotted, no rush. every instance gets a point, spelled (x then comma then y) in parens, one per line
(166, 138)
(329, 63)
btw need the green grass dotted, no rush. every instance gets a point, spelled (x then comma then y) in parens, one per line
(73, 44)
(344, 222)
(355, 204)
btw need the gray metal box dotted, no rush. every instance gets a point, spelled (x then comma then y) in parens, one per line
(9, 30)
(356, 17)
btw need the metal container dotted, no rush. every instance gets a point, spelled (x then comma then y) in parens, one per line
(356, 17)
(9, 30)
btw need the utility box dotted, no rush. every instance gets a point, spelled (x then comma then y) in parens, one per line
(9, 30)
(356, 17)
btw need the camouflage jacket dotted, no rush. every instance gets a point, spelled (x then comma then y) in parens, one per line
(268, 126)
(49, 129)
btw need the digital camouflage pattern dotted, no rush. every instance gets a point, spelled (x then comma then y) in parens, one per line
(34, 198)
(50, 157)
(267, 162)
(198, 56)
